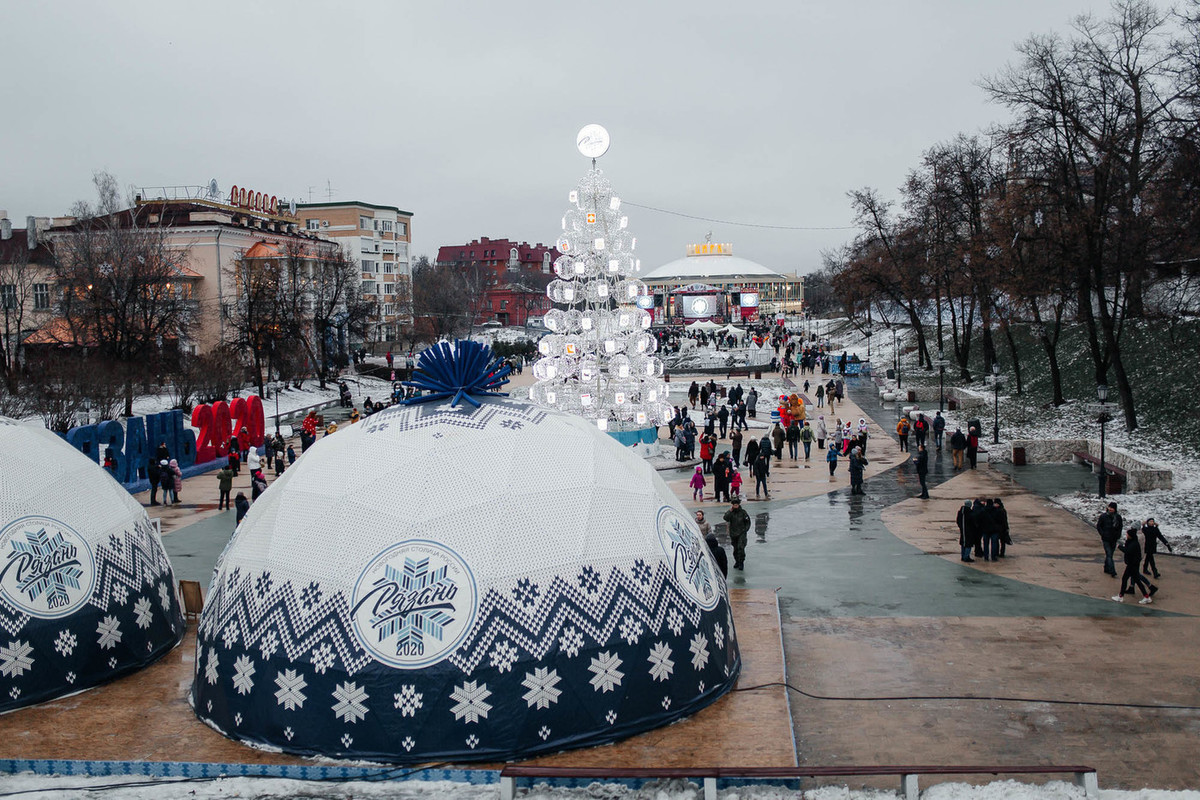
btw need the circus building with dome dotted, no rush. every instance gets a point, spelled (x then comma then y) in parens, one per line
(711, 283)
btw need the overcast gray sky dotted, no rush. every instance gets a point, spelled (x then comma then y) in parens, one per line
(465, 113)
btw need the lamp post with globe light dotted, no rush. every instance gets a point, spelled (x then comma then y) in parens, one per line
(1102, 417)
(941, 365)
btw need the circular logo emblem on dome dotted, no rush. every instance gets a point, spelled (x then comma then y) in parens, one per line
(414, 604)
(46, 568)
(687, 553)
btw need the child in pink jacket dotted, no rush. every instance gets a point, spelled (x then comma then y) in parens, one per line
(735, 484)
(697, 485)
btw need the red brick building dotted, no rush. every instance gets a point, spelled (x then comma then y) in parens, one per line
(514, 275)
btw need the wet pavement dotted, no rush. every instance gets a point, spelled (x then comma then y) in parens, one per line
(1052, 479)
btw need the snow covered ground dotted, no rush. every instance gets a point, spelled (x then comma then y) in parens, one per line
(72, 788)
(1177, 510)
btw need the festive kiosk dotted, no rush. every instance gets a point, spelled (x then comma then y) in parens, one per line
(463, 577)
(86, 591)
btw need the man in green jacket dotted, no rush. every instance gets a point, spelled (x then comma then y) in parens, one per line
(225, 484)
(738, 522)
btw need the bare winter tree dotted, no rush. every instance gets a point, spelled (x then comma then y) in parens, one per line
(119, 285)
(441, 305)
(18, 274)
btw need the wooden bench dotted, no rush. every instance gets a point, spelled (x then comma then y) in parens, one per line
(1082, 457)
(1084, 777)
(738, 373)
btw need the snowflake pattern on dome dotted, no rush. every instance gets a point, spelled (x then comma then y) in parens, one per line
(402, 419)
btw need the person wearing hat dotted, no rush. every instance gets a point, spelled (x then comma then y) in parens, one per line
(154, 475)
(738, 522)
(167, 481)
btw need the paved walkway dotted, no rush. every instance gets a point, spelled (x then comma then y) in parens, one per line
(876, 603)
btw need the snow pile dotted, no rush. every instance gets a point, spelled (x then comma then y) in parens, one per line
(73, 788)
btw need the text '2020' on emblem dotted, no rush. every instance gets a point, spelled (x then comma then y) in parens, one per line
(414, 604)
(687, 553)
(46, 568)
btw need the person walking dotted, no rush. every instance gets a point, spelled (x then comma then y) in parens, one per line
(958, 445)
(738, 523)
(972, 446)
(902, 434)
(820, 432)
(698, 483)
(965, 531)
(702, 524)
(723, 419)
(693, 393)
(224, 486)
(857, 464)
(680, 444)
(1153, 536)
(242, 505)
(920, 429)
(1110, 526)
(761, 469)
(806, 438)
(777, 439)
(1131, 578)
(708, 448)
(793, 440)
(735, 440)
(735, 482)
(831, 458)
(752, 403)
(720, 472)
(1002, 525)
(154, 475)
(922, 465)
(820, 395)
(939, 428)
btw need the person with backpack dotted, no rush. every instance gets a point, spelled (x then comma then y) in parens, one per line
(939, 428)
(920, 429)
(902, 434)
(806, 438)
(972, 446)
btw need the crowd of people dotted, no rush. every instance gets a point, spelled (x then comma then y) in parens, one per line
(1139, 562)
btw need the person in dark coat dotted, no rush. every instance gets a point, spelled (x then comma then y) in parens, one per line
(721, 472)
(939, 429)
(973, 447)
(723, 420)
(857, 464)
(735, 440)
(761, 469)
(1002, 525)
(162, 453)
(751, 452)
(981, 523)
(718, 554)
(1133, 562)
(166, 479)
(922, 464)
(1153, 536)
(958, 445)
(738, 523)
(258, 484)
(965, 530)
(154, 475)
(1109, 526)
(242, 505)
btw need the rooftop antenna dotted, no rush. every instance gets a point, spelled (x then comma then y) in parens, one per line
(328, 191)
(310, 191)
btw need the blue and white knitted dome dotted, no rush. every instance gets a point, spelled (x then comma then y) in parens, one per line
(86, 591)
(481, 583)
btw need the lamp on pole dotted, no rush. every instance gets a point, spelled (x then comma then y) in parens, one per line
(941, 365)
(278, 386)
(896, 355)
(1103, 417)
(996, 392)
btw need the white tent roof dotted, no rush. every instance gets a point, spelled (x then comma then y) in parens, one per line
(703, 325)
(706, 268)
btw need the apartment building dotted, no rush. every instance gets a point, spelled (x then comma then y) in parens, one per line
(378, 238)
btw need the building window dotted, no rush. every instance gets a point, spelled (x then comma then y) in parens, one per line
(385, 226)
(41, 297)
(402, 250)
(364, 223)
(388, 267)
(312, 224)
(388, 289)
(368, 287)
(503, 305)
(8, 296)
(402, 228)
(369, 266)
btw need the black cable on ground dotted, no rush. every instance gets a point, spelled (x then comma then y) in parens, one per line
(392, 774)
(993, 698)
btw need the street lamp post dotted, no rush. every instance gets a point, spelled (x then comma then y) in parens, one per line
(896, 356)
(941, 364)
(1103, 417)
(277, 388)
(867, 333)
(996, 392)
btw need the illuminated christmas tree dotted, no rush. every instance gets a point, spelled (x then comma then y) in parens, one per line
(598, 361)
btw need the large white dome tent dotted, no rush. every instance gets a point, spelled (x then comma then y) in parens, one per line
(481, 581)
(86, 591)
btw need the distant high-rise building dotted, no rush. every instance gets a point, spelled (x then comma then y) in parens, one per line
(377, 237)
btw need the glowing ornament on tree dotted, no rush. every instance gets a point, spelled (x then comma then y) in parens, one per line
(598, 360)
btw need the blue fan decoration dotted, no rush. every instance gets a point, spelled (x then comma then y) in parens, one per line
(468, 368)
